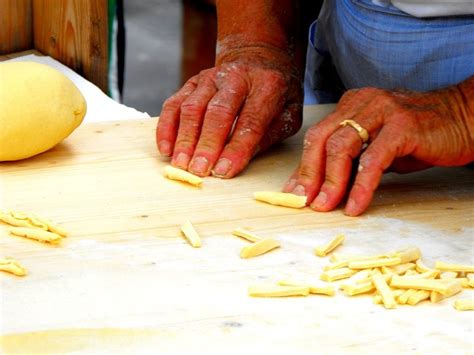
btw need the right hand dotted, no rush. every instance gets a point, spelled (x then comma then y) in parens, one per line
(254, 96)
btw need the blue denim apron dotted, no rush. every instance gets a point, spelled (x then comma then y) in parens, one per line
(355, 43)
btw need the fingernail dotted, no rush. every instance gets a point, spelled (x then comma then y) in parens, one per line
(222, 167)
(299, 190)
(351, 207)
(199, 165)
(289, 185)
(320, 200)
(182, 161)
(165, 148)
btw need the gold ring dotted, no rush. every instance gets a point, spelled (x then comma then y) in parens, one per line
(361, 131)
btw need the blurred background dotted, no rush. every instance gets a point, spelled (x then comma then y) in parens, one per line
(167, 42)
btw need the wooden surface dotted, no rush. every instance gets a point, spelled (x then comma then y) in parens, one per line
(125, 281)
(15, 26)
(75, 33)
(19, 54)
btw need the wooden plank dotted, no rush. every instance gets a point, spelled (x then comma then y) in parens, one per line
(126, 279)
(15, 26)
(19, 54)
(75, 33)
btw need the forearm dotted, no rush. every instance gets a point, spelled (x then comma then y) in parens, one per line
(264, 28)
(466, 98)
(463, 109)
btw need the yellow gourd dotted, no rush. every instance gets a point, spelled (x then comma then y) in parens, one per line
(39, 107)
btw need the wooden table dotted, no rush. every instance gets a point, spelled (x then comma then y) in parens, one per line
(126, 281)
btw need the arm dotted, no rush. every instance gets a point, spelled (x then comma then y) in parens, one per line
(250, 100)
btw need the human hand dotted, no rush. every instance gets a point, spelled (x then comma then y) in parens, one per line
(408, 131)
(225, 115)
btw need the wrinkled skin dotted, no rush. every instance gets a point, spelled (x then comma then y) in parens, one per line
(261, 97)
(408, 132)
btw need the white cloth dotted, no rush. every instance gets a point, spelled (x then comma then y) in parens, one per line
(431, 8)
(100, 107)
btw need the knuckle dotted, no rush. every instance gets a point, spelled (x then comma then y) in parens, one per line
(385, 99)
(216, 123)
(336, 146)
(191, 110)
(219, 107)
(369, 161)
(208, 145)
(185, 140)
(253, 125)
(172, 103)
(362, 187)
(275, 77)
(313, 134)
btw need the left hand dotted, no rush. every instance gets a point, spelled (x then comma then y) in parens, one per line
(408, 131)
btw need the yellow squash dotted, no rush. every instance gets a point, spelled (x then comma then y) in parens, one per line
(39, 108)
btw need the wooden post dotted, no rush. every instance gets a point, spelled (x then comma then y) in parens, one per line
(75, 33)
(15, 26)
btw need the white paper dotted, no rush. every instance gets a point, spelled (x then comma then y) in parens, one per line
(100, 107)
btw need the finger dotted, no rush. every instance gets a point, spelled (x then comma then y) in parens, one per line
(263, 104)
(190, 121)
(311, 170)
(373, 162)
(313, 161)
(341, 148)
(291, 183)
(168, 122)
(286, 125)
(220, 115)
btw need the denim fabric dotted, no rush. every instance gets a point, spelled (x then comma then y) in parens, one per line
(355, 43)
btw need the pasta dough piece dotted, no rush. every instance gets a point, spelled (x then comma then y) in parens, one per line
(402, 268)
(436, 296)
(337, 274)
(22, 219)
(9, 219)
(387, 278)
(258, 248)
(418, 296)
(403, 298)
(191, 235)
(407, 255)
(470, 280)
(242, 233)
(12, 266)
(336, 257)
(173, 173)
(426, 275)
(352, 290)
(385, 291)
(448, 275)
(280, 199)
(39, 108)
(369, 264)
(36, 234)
(314, 289)
(440, 286)
(465, 304)
(377, 299)
(277, 291)
(333, 244)
(51, 226)
(439, 265)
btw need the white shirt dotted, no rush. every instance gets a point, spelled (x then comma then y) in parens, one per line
(430, 8)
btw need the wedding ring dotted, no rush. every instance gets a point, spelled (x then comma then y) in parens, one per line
(361, 131)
